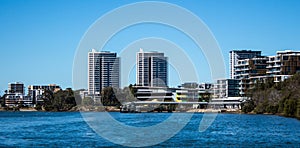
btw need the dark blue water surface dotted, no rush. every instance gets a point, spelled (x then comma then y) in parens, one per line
(68, 129)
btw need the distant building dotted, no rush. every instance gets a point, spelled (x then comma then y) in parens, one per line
(16, 88)
(225, 88)
(152, 69)
(17, 99)
(248, 70)
(206, 86)
(193, 92)
(189, 85)
(283, 65)
(36, 91)
(83, 94)
(103, 71)
(16, 96)
(258, 68)
(236, 55)
(181, 94)
(160, 94)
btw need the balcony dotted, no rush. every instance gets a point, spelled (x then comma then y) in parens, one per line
(242, 88)
(269, 66)
(277, 65)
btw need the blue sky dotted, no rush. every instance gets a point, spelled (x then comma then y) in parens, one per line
(38, 39)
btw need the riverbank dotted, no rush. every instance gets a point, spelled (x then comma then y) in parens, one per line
(95, 109)
(23, 109)
(116, 109)
(215, 111)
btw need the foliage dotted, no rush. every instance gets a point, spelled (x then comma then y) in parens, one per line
(108, 97)
(248, 106)
(2, 100)
(115, 97)
(62, 100)
(276, 98)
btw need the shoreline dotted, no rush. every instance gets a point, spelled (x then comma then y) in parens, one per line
(114, 109)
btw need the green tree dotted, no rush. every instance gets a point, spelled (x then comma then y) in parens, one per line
(281, 97)
(298, 108)
(108, 97)
(62, 100)
(248, 106)
(290, 107)
(2, 100)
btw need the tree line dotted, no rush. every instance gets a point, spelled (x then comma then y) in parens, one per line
(275, 98)
(64, 100)
(111, 96)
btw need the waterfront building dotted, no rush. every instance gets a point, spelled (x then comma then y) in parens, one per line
(36, 91)
(179, 95)
(248, 70)
(152, 69)
(103, 71)
(16, 88)
(236, 55)
(194, 92)
(261, 68)
(17, 99)
(16, 96)
(160, 94)
(283, 65)
(228, 102)
(189, 85)
(225, 88)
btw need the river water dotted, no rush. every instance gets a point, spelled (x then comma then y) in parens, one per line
(69, 129)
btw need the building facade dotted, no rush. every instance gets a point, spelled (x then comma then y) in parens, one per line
(225, 88)
(258, 68)
(15, 95)
(16, 88)
(152, 69)
(36, 91)
(103, 71)
(236, 55)
(248, 71)
(283, 65)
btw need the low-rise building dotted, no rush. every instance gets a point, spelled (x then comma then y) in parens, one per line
(17, 99)
(36, 91)
(161, 94)
(225, 88)
(15, 95)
